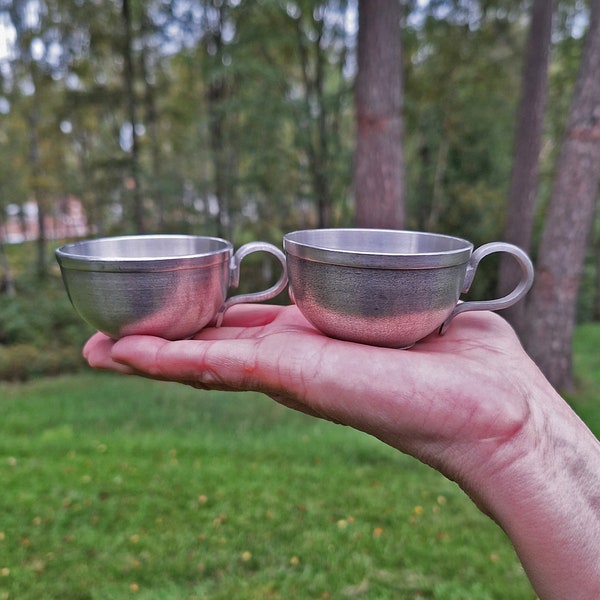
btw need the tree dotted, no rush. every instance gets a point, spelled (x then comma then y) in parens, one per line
(462, 81)
(34, 70)
(129, 78)
(7, 282)
(379, 178)
(310, 30)
(220, 86)
(551, 311)
(527, 145)
(11, 192)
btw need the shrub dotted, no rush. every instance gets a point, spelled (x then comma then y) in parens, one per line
(17, 361)
(40, 332)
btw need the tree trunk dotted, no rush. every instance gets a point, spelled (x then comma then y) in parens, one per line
(217, 93)
(151, 117)
(39, 192)
(437, 194)
(129, 74)
(317, 146)
(552, 309)
(7, 283)
(527, 145)
(379, 160)
(38, 185)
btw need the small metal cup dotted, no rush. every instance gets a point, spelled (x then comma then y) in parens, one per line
(169, 286)
(388, 287)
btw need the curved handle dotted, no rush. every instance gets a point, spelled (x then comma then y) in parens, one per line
(234, 277)
(498, 304)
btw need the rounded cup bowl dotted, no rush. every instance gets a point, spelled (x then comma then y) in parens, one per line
(378, 287)
(165, 285)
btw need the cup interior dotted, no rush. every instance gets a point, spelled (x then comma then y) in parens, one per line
(378, 248)
(142, 251)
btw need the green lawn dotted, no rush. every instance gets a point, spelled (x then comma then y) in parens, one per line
(117, 487)
(586, 362)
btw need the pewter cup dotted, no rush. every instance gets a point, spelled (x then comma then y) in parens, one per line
(388, 287)
(169, 286)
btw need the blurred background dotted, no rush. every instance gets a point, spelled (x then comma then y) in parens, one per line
(243, 119)
(247, 119)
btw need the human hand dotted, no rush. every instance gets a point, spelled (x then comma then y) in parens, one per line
(470, 403)
(461, 388)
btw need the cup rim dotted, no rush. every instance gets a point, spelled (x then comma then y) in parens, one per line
(324, 246)
(72, 255)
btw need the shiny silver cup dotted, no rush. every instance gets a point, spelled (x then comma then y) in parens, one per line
(388, 287)
(169, 286)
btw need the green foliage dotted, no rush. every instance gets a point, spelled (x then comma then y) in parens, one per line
(16, 361)
(246, 122)
(20, 362)
(586, 366)
(460, 106)
(116, 487)
(40, 332)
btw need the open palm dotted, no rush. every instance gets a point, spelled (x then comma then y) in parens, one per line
(446, 391)
(470, 403)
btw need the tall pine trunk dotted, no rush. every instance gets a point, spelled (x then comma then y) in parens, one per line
(317, 137)
(38, 189)
(131, 102)
(217, 94)
(7, 282)
(551, 312)
(379, 178)
(527, 146)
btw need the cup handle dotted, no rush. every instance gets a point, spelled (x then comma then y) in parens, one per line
(498, 304)
(234, 278)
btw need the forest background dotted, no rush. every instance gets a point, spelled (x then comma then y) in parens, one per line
(238, 118)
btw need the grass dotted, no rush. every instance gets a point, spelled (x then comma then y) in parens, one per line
(586, 364)
(116, 487)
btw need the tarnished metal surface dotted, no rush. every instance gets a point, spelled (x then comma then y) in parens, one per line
(386, 287)
(165, 285)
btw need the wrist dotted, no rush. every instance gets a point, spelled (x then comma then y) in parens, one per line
(542, 486)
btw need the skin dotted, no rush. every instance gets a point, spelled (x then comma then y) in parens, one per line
(471, 404)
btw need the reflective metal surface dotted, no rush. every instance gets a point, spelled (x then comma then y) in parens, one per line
(386, 287)
(165, 285)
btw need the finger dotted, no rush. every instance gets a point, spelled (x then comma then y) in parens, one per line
(302, 407)
(254, 321)
(250, 315)
(483, 328)
(219, 365)
(96, 341)
(97, 351)
(227, 333)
